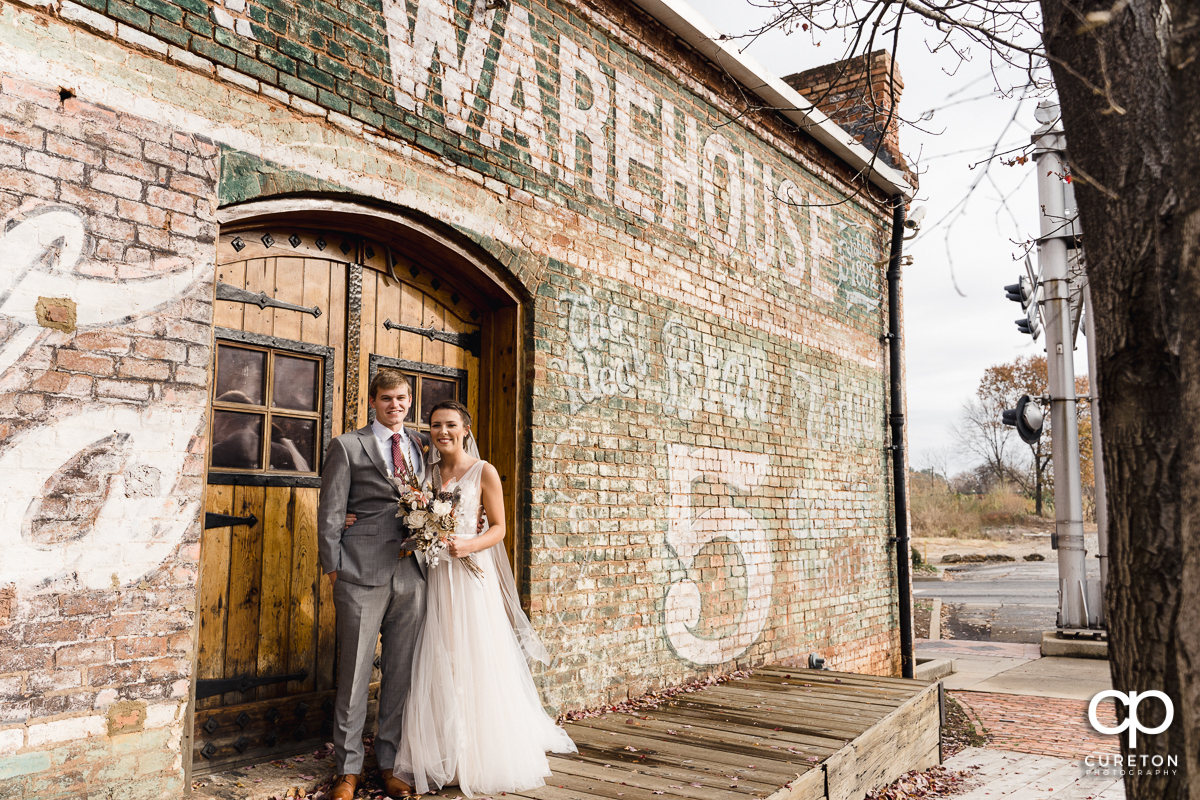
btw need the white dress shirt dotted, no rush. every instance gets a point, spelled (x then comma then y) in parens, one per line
(384, 437)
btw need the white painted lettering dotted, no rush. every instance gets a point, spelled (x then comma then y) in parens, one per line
(633, 99)
(725, 237)
(785, 198)
(588, 120)
(681, 171)
(516, 98)
(434, 38)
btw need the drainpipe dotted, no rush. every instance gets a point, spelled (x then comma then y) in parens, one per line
(899, 472)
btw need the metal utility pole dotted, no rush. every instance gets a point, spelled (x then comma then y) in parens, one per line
(1057, 231)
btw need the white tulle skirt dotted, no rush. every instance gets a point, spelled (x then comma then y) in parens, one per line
(473, 716)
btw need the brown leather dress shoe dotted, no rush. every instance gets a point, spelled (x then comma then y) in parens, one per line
(395, 787)
(344, 787)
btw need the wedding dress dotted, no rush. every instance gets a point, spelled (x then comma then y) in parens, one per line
(473, 715)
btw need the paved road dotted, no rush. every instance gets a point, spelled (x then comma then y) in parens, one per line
(1010, 602)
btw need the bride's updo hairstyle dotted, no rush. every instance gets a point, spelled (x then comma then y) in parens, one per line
(452, 405)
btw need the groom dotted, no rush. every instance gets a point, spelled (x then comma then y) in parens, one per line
(377, 587)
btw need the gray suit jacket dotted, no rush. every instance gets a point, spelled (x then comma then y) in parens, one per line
(354, 479)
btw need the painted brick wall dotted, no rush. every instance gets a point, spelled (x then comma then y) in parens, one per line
(707, 485)
(108, 249)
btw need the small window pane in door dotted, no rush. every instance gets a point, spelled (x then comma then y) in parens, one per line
(241, 374)
(237, 440)
(294, 384)
(434, 391)
(293, 444)
(411, 416)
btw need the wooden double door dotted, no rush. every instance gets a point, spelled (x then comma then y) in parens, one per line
(303, 318)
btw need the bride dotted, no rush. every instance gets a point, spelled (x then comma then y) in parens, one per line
(473, 716)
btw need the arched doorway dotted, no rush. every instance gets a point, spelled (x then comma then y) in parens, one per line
(311, 298)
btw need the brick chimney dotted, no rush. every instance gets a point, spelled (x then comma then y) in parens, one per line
(854, 93)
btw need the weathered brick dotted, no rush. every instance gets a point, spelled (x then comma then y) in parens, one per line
(173, 201)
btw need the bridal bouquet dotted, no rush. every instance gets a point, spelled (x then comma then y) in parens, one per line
(431, 521)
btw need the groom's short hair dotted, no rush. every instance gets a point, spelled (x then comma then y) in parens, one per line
(388, 379)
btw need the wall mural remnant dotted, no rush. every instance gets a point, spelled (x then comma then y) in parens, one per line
(139, 521)
(132, 520)
(692, 527)
(43, 254)
(609, 356)
(673, 167)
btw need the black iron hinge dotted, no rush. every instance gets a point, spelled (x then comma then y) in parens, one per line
(261, 299)
(467, 341)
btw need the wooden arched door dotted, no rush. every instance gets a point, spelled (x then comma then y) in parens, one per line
(302, 318)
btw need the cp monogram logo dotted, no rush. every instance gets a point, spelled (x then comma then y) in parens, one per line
(1131, 701)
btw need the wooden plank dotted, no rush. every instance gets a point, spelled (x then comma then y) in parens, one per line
(260, 277)
(227, 314)
(830, 676)
(276, 583)
(412, 304)
(326, 635)
(316, 293)
(214, 593)
(740, 749)
(306, 577)
(613, 745)
(289, 288)
(566, 765)
(366, 339)
(245, 574)
(710, 780)
(387, 306)
(805, 692)
(338, 276)
(718, 729)
(792, 738)
(817, 696)
(907, 739)
(855, 685)
(503, 419)
(596, 787)
(820, 725)
(433, 351)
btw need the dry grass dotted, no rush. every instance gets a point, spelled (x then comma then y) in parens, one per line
(934, 510)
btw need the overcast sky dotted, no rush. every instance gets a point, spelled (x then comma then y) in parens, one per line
(950, 338)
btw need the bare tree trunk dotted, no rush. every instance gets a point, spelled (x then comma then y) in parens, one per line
(1135, 153)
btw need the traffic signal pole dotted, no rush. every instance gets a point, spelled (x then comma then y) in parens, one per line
(1056, 230)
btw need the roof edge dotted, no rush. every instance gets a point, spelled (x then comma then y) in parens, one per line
(692, 27)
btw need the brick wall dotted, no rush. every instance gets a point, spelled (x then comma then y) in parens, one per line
(707, 484)
(860, 94)
(108, 248)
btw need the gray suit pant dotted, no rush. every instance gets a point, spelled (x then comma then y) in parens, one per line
(396, 610)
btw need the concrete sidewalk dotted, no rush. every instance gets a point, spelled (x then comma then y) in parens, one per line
(1018, 776)
(1004, 668)
(1034, 709)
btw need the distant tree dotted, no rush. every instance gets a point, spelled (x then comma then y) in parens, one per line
(983, 434)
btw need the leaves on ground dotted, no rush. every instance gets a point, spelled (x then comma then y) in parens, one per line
(933, 782)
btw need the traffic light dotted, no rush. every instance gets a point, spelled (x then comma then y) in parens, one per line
(1032, 324)
(1020, 292)
(1026, 418)
(1024, 291)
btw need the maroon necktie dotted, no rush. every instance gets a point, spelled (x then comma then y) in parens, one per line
(399, 465)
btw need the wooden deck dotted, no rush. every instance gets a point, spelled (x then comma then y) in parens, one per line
(784, 734)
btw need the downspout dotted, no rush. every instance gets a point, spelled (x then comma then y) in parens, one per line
(899, 471)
